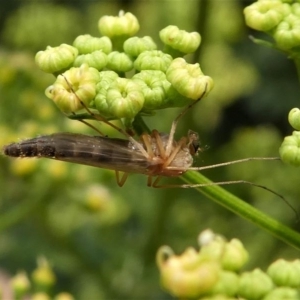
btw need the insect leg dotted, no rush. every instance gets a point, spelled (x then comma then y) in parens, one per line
(122, 180)
(175, 122)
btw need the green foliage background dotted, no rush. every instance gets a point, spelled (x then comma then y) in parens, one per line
(101, 239)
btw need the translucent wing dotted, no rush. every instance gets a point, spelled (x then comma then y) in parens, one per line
(97, 151)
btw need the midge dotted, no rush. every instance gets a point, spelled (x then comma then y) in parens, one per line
(155, 155)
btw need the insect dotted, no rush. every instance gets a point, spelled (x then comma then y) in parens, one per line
(154, 155)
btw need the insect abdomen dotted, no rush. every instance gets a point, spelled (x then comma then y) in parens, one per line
(43, 146)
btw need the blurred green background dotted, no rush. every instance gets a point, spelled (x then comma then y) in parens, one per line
(100, 239)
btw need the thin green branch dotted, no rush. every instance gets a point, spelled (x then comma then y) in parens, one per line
(243, 209)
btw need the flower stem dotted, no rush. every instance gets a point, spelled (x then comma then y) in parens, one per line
(243, 209)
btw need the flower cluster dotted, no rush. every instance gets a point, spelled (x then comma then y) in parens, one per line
(39, 285)
(120, 74)
(213, 272)
(280, 19)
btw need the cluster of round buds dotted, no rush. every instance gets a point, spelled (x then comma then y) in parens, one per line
(42, 281)
(279, 19)
(290, 147)
(213, 272)
(120, 74)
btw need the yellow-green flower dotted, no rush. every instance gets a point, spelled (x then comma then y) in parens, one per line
(77, 85)
(290, 149)
(264, 15)
(56, 59)
(188, 79)
(181, 40)
(88, 44)
(126, 24)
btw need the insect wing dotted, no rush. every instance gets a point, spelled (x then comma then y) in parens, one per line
(97, 151)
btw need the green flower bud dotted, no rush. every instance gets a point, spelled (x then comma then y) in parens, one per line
(135, 46)
(64, 296)
(186, 276)
(56, 59)
(181, 40)
(290, 149)
(124, 99)
(227, 284)
(287, 33)
(82, 81)
(106, 79)
(123, 25)
(283, 293)
(119, 62)
(232, 255)
(154, 85)
(87, 44)
(20, 285)
(188, 79)
(43, 276)
(235, 255)
(285, 273)
(96, 59)
(153, 60)
(254, 285)
(294, 118)
(265, 15)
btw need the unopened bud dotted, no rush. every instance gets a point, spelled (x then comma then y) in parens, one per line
(87, 44)
(186, 276)
(265, 15)
(180, 40)
(294, 118)
(135, 46)
(123, 25)
(81, 81)
(153, 60)
(290, 149)
(188, 79)
(119, 62)
(56, 59)
(285, 273)
(254, 285)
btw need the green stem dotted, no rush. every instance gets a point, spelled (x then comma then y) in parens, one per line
(243, 209)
